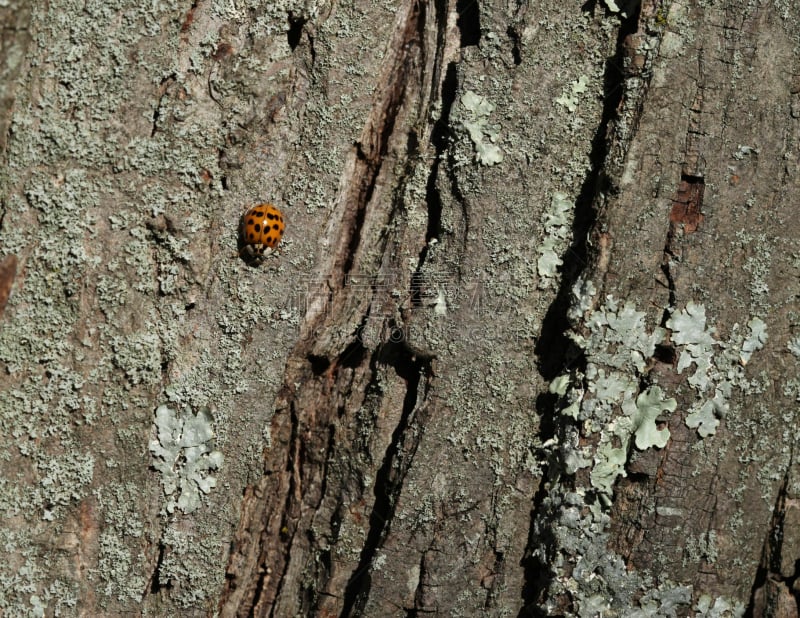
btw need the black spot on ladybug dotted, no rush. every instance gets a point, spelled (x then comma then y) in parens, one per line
(252, 236)
(270, 216)
(251, 221)
(259, 214)
(258, 227)
(276, 227)
(269, 240)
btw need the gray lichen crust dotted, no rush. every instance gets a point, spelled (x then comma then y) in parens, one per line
(183, 454)
(614, 417)
(114, 203)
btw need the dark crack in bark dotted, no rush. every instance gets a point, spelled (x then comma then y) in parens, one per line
(331, 395)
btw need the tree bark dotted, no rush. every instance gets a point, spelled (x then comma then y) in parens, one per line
(529, 346)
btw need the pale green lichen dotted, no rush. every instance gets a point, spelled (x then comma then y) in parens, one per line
(794, 346)
(617, 346)
(688, 328)
(183, 453)
(639, 423)
(583, 294)
(720, 607)
(606, 401)
(481, 132)
(718, 365)
(667, 600)
(703, 418)
(610, 459)
(571, 96)
(650, 405)
(754, 341)
(556, 222)
(560, 385)
(619, 337)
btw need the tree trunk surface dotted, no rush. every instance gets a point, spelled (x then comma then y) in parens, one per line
(529, 346)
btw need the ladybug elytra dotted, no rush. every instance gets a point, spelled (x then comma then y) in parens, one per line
(261, 230)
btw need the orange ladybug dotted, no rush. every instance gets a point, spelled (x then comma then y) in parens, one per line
(261, 230)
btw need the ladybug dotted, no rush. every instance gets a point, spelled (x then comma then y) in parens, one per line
(261, 230)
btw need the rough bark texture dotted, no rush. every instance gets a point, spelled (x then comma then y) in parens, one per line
(530, 345)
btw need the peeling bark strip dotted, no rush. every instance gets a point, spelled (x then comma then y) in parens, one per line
(684, 218)
(368, 153)
(779, 571)
(688, 204)
(331, 377)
